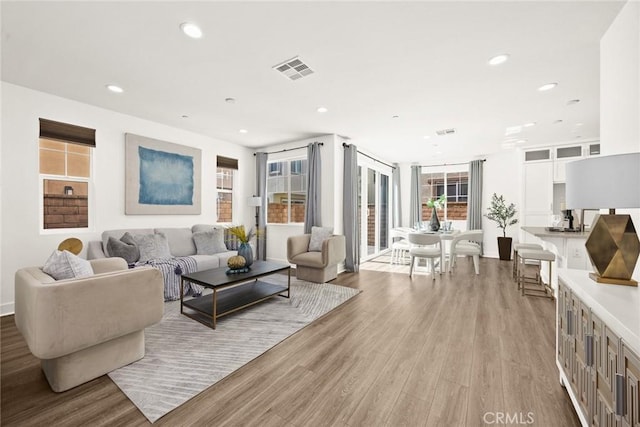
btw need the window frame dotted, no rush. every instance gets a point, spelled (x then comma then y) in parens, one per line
(232, 191)
(280, 172)
(42, 177)
(446, 171)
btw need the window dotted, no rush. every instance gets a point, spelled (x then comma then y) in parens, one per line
(226, 168)
(286, 191)
(457, 187)
(65, 172)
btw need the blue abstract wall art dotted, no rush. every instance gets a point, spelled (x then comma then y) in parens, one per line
(161, 178)
(165, 178)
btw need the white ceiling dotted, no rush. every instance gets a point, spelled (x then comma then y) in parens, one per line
(425, 62)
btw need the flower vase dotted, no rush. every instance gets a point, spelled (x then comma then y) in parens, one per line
(246, 252)
(434, 223)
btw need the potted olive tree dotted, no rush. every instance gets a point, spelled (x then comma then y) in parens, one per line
(503, 215)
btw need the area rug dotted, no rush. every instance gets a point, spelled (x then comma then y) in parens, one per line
(184, 357)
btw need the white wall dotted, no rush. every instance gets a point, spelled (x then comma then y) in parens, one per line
(23, 244)
(620, 83)
(331, 182)
(620, 91)
(502, 175)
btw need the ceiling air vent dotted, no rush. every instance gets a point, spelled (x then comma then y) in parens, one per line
(443, 132)
(293, 68)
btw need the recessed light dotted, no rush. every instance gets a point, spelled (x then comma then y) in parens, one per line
(322, 109)
(579, 124)
(557, 122)
(230, 100)
(115, 88)
(184, 116)
(191, 30)
(572, 101)
(243, 131)
(499, 59)
(528, 125)
(547, 87)
(395, 117)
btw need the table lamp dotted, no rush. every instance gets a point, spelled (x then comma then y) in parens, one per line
(608, 182)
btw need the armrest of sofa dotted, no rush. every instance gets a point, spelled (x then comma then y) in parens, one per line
(108, 265)
(334, 250)
(61, 317)
(297, 245)
(95, 251)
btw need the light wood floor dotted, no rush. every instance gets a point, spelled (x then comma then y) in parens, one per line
(456, 351)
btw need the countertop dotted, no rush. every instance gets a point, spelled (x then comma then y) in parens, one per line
(543, 232)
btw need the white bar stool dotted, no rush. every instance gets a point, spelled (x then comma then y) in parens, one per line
(534, 255)
(522, 246)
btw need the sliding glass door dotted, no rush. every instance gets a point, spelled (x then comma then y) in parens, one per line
(374, 209)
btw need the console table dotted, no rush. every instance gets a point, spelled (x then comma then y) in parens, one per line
(598, 348)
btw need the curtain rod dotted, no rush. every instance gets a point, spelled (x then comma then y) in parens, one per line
(449, 164)
(290, 149)
(344, 144)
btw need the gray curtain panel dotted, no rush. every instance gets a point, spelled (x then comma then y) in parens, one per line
(396, 212)
(261, 188)
(350, 208)
(314, 191)
(474, 202)
(415, 215)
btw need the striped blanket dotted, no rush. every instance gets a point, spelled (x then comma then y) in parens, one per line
(172, 269)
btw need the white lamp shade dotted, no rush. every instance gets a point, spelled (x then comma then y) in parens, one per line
(604, 182)
(254, 201)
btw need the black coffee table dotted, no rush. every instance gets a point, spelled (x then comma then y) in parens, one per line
(231, 292)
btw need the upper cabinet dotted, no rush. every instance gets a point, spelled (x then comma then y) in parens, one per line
(561, 155)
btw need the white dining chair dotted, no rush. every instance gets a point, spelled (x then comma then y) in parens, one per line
(426, 246)
(399, 245)
(466, 243)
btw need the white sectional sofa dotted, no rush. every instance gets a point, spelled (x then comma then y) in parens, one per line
(183, 258)
(181, 244)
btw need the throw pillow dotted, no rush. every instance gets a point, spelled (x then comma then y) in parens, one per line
(210, 242)
(65, 265)
(319, 235)
(152, 246)
(124, 248)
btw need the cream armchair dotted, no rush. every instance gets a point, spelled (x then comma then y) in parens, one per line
(317, 267)
(83, 328)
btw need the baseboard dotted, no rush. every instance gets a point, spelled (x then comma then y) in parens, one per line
(7, 309)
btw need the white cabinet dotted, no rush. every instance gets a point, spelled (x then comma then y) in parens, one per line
(538, 188)
(565, 154)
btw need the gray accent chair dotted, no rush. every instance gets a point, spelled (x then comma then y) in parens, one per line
(317, 267)
(83, 328)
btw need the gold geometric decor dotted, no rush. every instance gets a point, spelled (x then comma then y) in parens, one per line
(613, 249)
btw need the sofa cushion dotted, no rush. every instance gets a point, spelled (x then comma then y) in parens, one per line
(180, 241)
(152, 246)
(125, 248)
(117, 234)
(319, 235)
(202, 227)
(309, 259)
(65, 265)
(209, 242)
